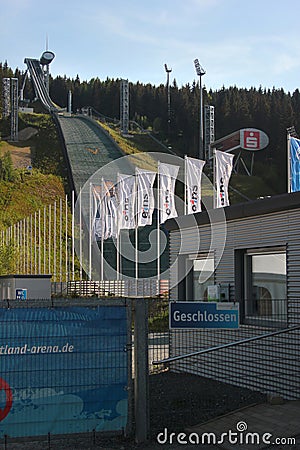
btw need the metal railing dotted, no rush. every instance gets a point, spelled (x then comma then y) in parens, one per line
(223, 346)
(106, 288)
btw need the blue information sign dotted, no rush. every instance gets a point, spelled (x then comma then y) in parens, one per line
(21, 294)
(193, 315)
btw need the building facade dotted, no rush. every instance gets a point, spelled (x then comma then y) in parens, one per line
(251, 253)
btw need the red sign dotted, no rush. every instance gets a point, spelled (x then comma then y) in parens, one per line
(9, 398)
(253, 139)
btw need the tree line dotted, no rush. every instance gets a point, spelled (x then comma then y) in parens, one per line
(271, 110)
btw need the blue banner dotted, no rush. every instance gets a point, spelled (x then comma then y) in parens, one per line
(195, 315)
(63, 370)
(295, 164)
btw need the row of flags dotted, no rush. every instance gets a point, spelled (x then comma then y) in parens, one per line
(130, 202)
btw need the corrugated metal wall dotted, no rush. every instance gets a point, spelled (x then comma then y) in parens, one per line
(269, 365)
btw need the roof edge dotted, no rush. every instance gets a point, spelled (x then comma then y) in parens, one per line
(266, 205)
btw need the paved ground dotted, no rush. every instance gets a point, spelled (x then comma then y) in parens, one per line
(265, 422)
(265, 425)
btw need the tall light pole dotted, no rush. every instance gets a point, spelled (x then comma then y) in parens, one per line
(168, 71)
(200, 72)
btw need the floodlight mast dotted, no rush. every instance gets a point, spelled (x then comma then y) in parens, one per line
(200, 72)
(168, 71)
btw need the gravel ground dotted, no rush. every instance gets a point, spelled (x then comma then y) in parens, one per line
(176, 402)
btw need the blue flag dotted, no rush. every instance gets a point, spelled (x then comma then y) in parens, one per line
(295, 164)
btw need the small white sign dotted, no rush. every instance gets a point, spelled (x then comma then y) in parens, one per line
(213, 293)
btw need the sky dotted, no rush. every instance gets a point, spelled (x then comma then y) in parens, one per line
(237, 42)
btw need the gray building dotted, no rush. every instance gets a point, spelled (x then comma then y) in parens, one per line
(25, 287)
(251, 252)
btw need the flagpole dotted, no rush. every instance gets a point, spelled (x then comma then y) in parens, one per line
(35, 255)
(44, 239)
(214, 180)
(90, 233)
(54, 241)
(23, 246)
(66, 238)
(288, 162)
(158, 227)
(80, 233)
(118, 254)
(136, 233)
(73, 236)
(118, 237)
(39, 223)
(49, 247)
(27, 246)
(60, 240)
(16, 243)
(102, 228)
(185, 186)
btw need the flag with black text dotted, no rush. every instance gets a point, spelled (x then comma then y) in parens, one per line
(223, 169)
(194, 169)
(167, 178)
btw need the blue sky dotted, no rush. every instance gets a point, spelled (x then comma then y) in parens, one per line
(238, 42)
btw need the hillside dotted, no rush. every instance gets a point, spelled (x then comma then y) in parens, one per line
(243, 187)
(33, 175)
(28, 189)
(39, 147)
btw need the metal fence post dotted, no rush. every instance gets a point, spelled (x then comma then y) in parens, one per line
(141, 371)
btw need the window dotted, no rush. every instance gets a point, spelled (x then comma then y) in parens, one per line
(265, 284)
(201, 276)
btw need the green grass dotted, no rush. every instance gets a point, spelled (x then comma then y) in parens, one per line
(28, 193)
(252, 187)
(46, 152)
(138, 157)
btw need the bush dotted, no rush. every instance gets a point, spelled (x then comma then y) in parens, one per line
(7, 172)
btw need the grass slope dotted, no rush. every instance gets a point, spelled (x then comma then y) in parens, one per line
(29, 191)
(139, 144)
(27, 194)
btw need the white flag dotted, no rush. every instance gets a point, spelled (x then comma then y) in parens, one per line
(145, 196)
(109, 209)
(167, 178)
(194, 169)
(126, 191)
(96, 212)
(223, 168)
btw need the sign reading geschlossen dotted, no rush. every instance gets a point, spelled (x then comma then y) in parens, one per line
(193, 315)
(63, 370)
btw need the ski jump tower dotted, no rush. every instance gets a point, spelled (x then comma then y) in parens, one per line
(39, 73)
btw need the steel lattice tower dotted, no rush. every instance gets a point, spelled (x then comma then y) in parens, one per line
(6, 97)
(124, 106)
(14, 109)
(209, 126)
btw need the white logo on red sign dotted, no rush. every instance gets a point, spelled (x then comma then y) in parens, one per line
(252, 140)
